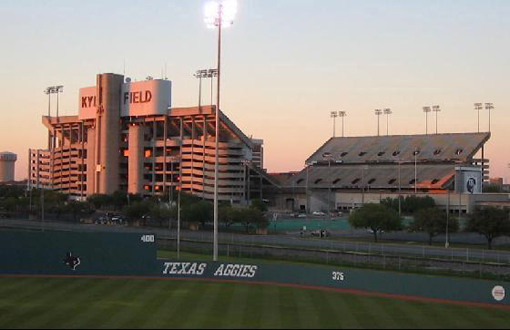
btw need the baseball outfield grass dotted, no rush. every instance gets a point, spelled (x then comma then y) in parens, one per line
(141, 303)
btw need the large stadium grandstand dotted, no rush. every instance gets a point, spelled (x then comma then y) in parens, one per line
(346, 173)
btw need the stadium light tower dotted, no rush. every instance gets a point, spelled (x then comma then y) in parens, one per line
(342, 114)
(388, 112)
(436, 109)
(200, 74)
(478, 107)
(489, 106)
(53, 90)
(334, 116)
(378, 113)
(218, 14)
(427, 110)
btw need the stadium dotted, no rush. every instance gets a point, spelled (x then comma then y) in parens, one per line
(139, 214)
(346, 173)
(127, 137)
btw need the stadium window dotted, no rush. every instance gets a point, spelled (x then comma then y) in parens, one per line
(318, 181)
(344, 154)
(372, 181)
(300, 181)
(356, 181)
(337, 181)
(459, 152)
(437, 152)
(396, 153)
(382, 153)
(413, 181)
(416, 152)
(361, 154)
(435, 181)
(392, 181)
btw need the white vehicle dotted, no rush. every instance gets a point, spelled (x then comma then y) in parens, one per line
(319, 214)
(302, 215)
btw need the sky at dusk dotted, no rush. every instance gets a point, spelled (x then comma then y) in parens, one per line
(287, 65)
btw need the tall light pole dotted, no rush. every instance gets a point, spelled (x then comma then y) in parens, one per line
(489, 106)
(200, 74)
(363, 169)
(436, 109)
(415, 154)
(211, 74)
(218, 14)
(334, 116)
(58, 90)
(388, 112)
(427, 110)
(48, 91)
(329, 157)
(342, 114)
(378, 113)
(478, 107)
(53, 90)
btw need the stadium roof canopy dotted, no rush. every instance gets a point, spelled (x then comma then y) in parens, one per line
(430, 177)
(438, 148)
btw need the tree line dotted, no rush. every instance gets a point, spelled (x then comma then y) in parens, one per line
(491, 222)
(16, 201)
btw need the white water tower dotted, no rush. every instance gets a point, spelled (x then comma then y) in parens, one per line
(7, 164)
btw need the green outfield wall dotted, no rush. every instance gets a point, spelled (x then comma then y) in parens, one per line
(107, 254)
(47, 253)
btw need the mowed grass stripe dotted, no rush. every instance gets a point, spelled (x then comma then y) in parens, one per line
(253, 307)
(360, 311)
(113, 301)
(269, 319)
(288, 310)
(12, 285)
(189, 305)
(22, 305)
(133, 306)
(478, 317)
(392, 309)
(147, 300)
(172, 296)
(216, 316)
(73, 311)
(52, 300)
(327, 315)
(308, 315)
(234, 309)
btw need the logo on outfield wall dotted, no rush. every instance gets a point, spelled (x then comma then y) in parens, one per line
(199, 269)
(72, 261)
(499, 293)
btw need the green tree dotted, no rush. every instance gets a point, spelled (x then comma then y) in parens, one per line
(198, 212)
(410, 204)
(77, 209)
(259, 205)
(227, 215)
(100, 201)
(137, 210)
(377, 218)
(162, 213)
(433, 222)
(119, 199)
(490, 222)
